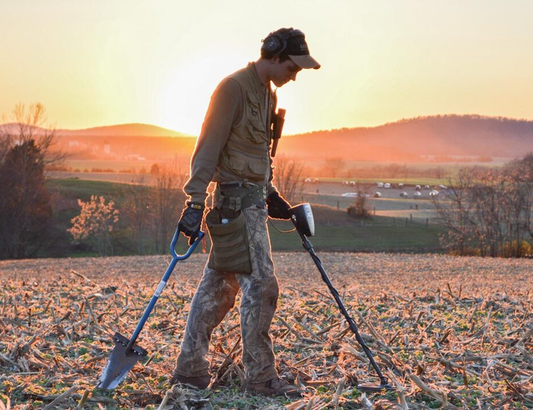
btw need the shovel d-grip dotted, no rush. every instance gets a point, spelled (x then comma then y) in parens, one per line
(126, 353)
(302, 218)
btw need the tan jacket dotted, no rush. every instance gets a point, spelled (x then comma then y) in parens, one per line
(234, 145)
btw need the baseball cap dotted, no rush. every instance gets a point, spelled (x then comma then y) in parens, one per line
(290, 42)
(298, 51)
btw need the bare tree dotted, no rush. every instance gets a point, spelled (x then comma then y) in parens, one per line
(29, 124)
(334, 166)
(152, 209)
(395, 170)
(359, 209)
(518, 201)
(137, 209)
(167, 204)
(289, 177)
(457, 213)
(488, 211)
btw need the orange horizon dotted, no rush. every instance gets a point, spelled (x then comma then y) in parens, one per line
(381, 61)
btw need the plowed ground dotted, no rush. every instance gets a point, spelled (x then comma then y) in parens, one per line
(448, 332)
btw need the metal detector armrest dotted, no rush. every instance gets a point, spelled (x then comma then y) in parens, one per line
(189, 251)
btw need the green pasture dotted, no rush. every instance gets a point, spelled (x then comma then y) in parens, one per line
(404, 230)
(116, 166)
(83, 189)
(381, 234)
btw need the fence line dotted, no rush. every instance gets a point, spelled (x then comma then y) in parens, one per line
(402, 222)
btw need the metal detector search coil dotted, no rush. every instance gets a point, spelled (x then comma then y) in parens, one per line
(302, 217)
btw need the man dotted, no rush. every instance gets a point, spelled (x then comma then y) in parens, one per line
(234, 150)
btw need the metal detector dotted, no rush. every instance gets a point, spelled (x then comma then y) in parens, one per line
(126, 354)
(302, 218)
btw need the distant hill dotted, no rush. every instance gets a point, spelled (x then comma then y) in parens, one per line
(412, 139)
(122, 130)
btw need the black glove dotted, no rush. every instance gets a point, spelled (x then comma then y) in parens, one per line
(190, 221)
(278, 208)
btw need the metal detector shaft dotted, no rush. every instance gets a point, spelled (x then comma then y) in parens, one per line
(309, 247)
(163, 283)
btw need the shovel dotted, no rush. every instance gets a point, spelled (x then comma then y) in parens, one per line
(302, 218)
(126, 353)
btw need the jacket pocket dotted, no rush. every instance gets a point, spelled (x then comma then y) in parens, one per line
(238, 164)
(248, 167)
(256, 123)
(258, 167)
(230, 249)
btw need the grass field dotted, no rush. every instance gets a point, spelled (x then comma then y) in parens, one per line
(116, 166)
(336, 231)
(80, 189)
(448, 332)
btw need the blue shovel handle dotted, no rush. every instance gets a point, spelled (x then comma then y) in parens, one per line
(163, 283)
(189, 251)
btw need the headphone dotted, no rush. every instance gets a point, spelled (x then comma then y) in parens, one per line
(277, 43)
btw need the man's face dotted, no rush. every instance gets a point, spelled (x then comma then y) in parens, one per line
(284, 72)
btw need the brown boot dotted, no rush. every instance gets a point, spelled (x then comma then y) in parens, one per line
(273, 387)
(200, 382)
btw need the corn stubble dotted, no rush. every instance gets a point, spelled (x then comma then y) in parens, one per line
(450, 332)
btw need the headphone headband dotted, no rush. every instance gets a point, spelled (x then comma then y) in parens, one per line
(276, 43)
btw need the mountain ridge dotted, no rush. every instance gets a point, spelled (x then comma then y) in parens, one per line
(124, 130)
(116, 130)
(411, 139)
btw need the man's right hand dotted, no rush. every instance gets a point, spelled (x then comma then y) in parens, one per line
(190, 221)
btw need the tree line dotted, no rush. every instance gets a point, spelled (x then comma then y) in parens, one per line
(488, 210)
(146, 215)
(25, 203)
(137, 218)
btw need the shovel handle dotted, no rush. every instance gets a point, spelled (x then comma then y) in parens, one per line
(163, 283)
(189, 251)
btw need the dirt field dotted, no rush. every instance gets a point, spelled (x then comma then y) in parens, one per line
(449, 333)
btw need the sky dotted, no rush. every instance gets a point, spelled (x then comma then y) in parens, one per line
(106, 62)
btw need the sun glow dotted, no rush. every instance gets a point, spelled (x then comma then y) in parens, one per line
(159, 63)
(185, 92)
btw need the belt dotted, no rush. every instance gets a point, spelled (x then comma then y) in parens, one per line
(230, 185)
(239, 195)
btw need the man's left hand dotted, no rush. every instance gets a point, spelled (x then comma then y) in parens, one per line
(278, 208)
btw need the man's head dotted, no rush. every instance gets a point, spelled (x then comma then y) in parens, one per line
(287, 52)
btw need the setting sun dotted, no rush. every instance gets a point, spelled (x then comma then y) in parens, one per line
(159, 62)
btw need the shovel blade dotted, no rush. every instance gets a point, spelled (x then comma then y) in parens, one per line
(120, 362)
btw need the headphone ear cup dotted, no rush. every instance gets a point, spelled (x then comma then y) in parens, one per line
(272, 44)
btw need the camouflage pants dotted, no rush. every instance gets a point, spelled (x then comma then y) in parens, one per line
(215, 296)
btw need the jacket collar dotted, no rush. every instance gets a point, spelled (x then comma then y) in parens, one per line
(257, 82)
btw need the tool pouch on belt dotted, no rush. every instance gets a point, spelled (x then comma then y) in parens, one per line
(230, 249)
